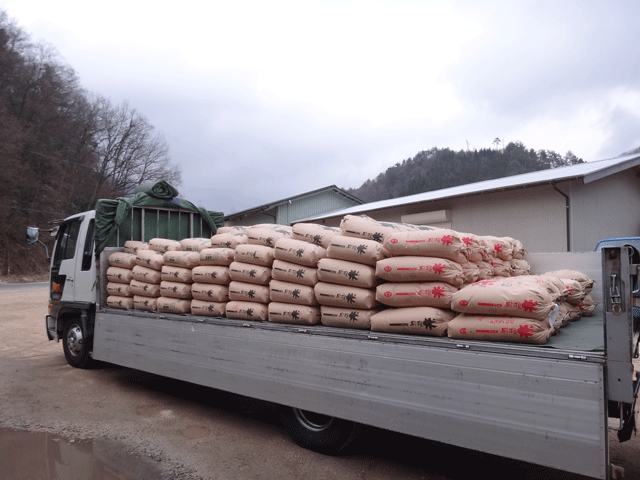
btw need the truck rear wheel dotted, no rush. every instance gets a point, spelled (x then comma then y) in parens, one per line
(320, 433)
(76, 344)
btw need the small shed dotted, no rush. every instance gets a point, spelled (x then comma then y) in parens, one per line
(292, 209)
(561, 209)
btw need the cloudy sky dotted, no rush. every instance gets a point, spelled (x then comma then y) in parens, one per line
(260, 100)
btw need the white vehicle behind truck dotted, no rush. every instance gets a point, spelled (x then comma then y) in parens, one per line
(551, 405)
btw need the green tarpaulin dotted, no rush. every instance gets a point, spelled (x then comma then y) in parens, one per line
(114, 214)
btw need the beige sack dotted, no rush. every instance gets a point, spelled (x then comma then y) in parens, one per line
(500, 247)
(195, 244)
(345, 296)
(132, 246)
(420, 269)
(298, 251)
(501, 268)
(248, 292)
(314, 233)
(234, 229)
(124, 303)
(520, 267)
(150, 259)
(581, 278)
(245, 272)
(173, 305)
(471, 272)
(175, 290)
(119, 289)
(416, 294)
(209, 292)
(222, 257)
(291, 272)
(476, 247)
(228, 240)
(346, 317)
(247, 311)
(566, 313)
(508, 297)
(176, 274)
(148, 304)
(439, 242)
(358, 250)
(294, 314)
(287, 292)
(499, 328)
(343, 272)
(413, 321)
(254, 254)
(119, 275)
(486, 270)
(208, 309)
(265, 236)
(182, 259)
(573, 291)
(122, 260)
(211, 274)
(163, 245)
(588, 305)
(144, 274)
(145, 289)
(368, 228)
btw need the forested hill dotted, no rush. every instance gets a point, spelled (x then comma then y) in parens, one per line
(442, 168)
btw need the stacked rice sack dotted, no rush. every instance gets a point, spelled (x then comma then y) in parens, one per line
(576, 301)
(119, 275)
(175, 275)
(294, 275)
(146, 275)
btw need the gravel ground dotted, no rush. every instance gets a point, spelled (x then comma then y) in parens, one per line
(193, 433)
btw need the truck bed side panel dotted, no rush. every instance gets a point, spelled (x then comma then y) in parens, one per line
(542, 410)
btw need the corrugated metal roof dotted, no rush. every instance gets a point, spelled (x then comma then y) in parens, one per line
(589, 172)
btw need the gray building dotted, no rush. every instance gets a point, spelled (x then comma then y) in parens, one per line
(290, 210)
(562, 209)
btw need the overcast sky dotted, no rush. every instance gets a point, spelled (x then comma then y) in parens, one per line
(262, 100)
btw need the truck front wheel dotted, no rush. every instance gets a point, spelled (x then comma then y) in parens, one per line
(320, 433)
(76, 344)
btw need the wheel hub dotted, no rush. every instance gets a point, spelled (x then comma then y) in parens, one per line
(74, 340)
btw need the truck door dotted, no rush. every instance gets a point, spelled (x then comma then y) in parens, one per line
(63, 266)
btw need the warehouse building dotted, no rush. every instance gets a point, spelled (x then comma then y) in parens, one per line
(562, 209)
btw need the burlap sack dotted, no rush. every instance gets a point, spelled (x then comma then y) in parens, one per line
(195, 244)
(298, 251)
(119, 275)
(182, 259)
(501, 247)
(163, 245)
(294, 314)
(265, 236)
(346, 317)
(587, 306)
(173, 305)
(420, 269)
(508, 297)
(150, 259)
(358, 250)
(314, 233)
(234, 229)
(574, 293)
(144, 274)
(254, 254)
(228, 240)
(209, 292)
(148, 304)
(368, 228)
(222, 257)
(413, 321)
(291, 272)
(248, 292)
(499, 328)
(208, 309)
(416, 294)
(122, 260)
(246, 272)
(287, 292)
(211, 274)
(343, 272)
(345, 296)
(440, 242)
(124, 303)
(145, 289)
(176, 274)
(132, 246)
(175, 290)
(247, 311)
(119, 289)
(581, 278)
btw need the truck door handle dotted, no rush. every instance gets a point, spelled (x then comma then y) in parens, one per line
(70, 279)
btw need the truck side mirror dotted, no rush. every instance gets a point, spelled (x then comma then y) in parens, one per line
(33, 235)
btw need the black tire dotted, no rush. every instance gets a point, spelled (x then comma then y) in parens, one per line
(76, 344)
(320, 433)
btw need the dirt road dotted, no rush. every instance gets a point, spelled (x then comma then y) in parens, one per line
(198, 433)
